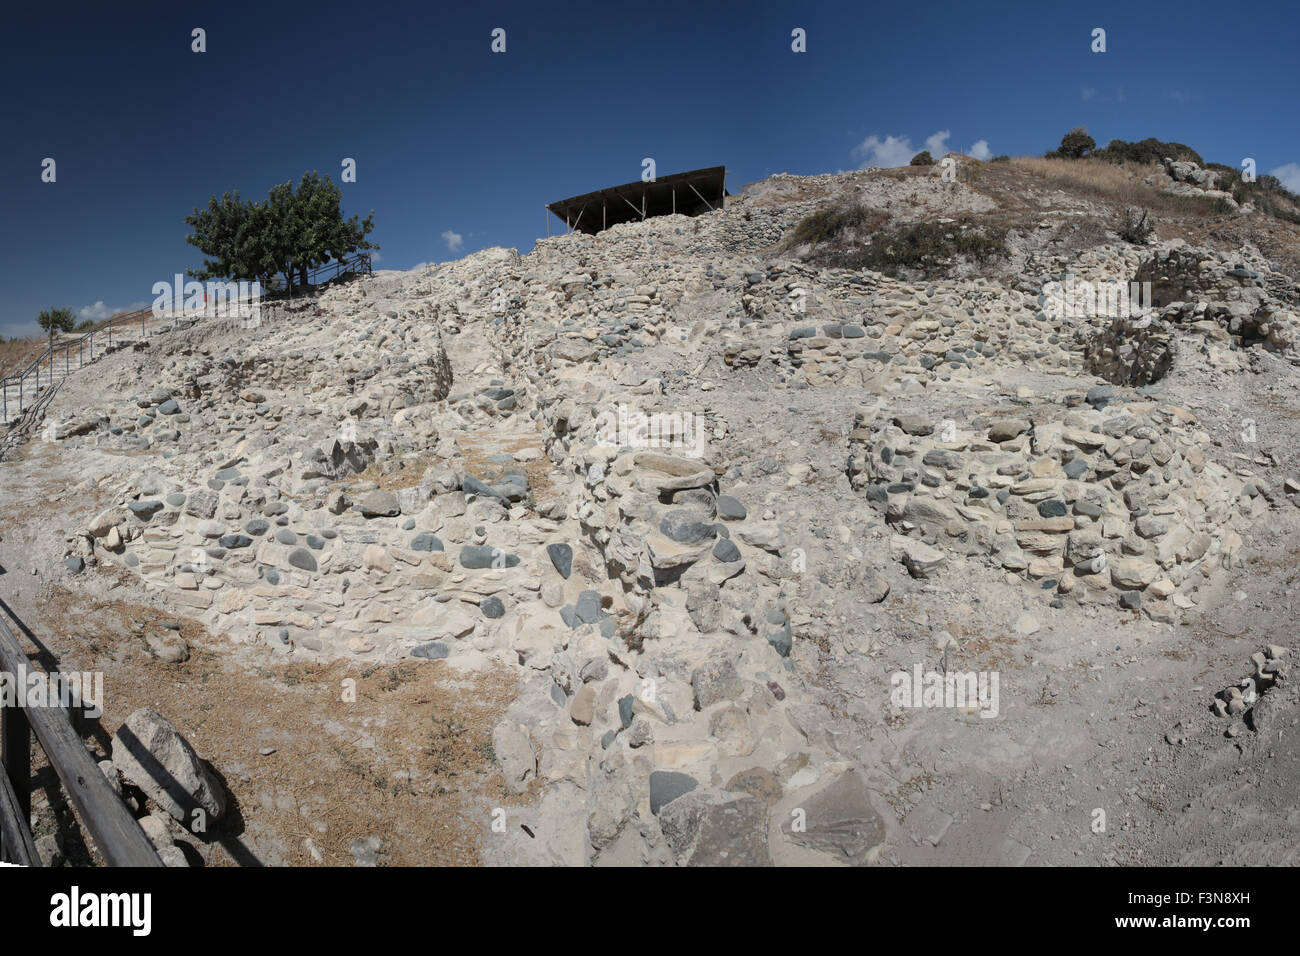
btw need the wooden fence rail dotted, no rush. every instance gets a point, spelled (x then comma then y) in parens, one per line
(115, 832)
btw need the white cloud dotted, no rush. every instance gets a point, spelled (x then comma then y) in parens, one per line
(454, 240)
(96, 312)
(99, 311)
(421, 265)
(1289, 175)
(936, 144)
(898, 150)
(1087, 93)
(890, 151)
(374, 257)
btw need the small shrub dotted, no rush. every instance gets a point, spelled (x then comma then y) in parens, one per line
(1000, 159)
(831, 224)
(927, 247)
(1133, 229)
(923, 158)
(1266, 193)
(1147, 152)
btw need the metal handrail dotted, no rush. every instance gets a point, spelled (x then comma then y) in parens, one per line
(358, 262)
(51, 350)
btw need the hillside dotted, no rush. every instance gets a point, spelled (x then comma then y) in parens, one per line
(892, 457)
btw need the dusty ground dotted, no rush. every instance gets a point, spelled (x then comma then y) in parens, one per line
(1105, 688)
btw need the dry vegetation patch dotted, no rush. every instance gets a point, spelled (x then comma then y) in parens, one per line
(409, 761)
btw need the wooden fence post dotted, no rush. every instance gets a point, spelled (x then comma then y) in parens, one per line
(16, 754)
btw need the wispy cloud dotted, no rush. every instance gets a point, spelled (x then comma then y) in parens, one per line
(890, 151)
(899, 150)
(99, 311)
(936, 144)
(1289, 174)
(94, 312)
(454, 240)
(1087, 93)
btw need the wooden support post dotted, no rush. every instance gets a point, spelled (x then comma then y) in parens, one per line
(116, 833)
(16, 754)
(16, 843)
(702, 199)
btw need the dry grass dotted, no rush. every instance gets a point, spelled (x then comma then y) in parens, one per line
(410, 761)
(392, 475)
(18, 354)
(478, 447)
(1090, 175)
(1120, 185)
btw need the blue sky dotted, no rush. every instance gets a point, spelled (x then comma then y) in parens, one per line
(458, 148)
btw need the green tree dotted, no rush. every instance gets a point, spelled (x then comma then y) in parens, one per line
(923, 158)
(219, 233)
(56, 320)
(1077, 144)
(317, 232)
(289, 233)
